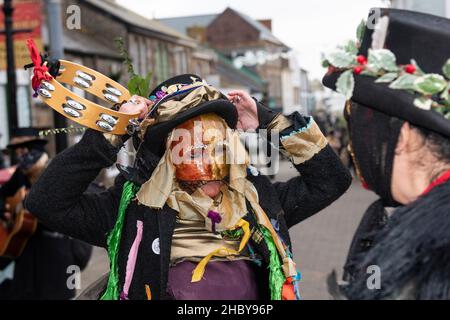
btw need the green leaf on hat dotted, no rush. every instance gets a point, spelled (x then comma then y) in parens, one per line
(419, 70)
(423, 103)
(346, 84)
(388, 77)
(341, 59)
(446, 69)
(404, 82)
(351, 47)
(446, 94)
(133, 85)
(370, 73)
(382, 59)
(361, 30)
(430, 84)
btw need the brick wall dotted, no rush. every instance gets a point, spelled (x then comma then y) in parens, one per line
(230, 31)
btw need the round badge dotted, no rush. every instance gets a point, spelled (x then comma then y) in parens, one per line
(155, 246)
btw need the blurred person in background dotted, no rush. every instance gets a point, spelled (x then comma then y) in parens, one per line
(41, 270)
(401, 150)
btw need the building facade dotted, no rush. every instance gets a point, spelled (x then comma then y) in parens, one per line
(240, 37)
(152, 46)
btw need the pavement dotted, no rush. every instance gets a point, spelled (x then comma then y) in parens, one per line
(320, 243)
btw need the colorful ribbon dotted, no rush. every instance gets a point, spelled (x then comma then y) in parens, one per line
(215, 218)
(198, 272)
(112, 289)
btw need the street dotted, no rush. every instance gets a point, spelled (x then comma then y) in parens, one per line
(320, 243)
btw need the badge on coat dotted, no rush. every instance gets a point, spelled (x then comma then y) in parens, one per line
(155, 246)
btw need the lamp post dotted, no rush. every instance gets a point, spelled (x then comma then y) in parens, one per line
(55, 25)
(11, 87)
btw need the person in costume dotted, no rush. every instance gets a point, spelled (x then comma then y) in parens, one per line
(40, 272)
(186, 222)
(399, 124)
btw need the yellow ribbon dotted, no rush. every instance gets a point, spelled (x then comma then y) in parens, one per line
(198, 272)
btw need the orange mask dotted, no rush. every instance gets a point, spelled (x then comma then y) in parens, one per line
(198, 149)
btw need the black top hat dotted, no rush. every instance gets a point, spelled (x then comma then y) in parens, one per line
(26, 137)
(409, 35)
(156, 135)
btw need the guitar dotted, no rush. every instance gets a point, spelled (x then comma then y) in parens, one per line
(16, 230)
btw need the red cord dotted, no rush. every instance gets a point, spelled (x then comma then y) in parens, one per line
(40, 72)
(441, 180)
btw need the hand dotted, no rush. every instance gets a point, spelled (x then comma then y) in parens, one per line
(247, 110)
(137, 104)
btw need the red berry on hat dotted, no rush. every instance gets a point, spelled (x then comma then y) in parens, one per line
(361, 60)
(410, 68)
(358, 70)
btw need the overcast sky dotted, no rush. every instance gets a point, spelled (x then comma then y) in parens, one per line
(309, 27)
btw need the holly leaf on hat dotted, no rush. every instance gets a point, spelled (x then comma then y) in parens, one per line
(351, 47)
(361, 30)
(419, 70)
(341, 59)
(423, 103)
(382, 59)
(430, 84)
(346, 84)
(446, 69)
(446, 94)
(387, 78)
(404, 82)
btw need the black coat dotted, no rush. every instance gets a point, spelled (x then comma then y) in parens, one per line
(90, 217)
(411, 250)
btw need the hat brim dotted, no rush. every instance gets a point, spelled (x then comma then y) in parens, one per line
(395, 103)
(37, 141)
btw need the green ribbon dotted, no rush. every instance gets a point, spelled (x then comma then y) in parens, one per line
(112, 290)
(276, 275)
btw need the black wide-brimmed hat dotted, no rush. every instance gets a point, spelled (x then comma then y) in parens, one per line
(421, 45)
(26, 137)
(177, 88)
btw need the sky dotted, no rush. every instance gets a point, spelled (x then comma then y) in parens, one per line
(309, 27)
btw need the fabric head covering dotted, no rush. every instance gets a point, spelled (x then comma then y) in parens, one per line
(374, 136)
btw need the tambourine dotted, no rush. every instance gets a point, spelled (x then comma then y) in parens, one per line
(79, 109)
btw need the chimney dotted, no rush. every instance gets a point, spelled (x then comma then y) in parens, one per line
(267, 23)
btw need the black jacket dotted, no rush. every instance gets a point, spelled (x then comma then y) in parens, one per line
(90, 217)
(411, 251)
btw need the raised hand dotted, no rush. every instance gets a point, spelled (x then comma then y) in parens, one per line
(137, 104)
(246, 108)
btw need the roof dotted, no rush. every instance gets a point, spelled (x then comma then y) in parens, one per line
(264, 33)
(134, 19)
(181, 24)
(81, 43)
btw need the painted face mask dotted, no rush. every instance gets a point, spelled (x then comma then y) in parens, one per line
(199, 150)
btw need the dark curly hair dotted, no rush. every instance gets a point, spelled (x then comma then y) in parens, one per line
(436, 143)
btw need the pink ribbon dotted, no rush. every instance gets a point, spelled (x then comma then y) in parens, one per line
(131, 262)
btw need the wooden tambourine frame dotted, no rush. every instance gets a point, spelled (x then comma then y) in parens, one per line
(81, 110)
